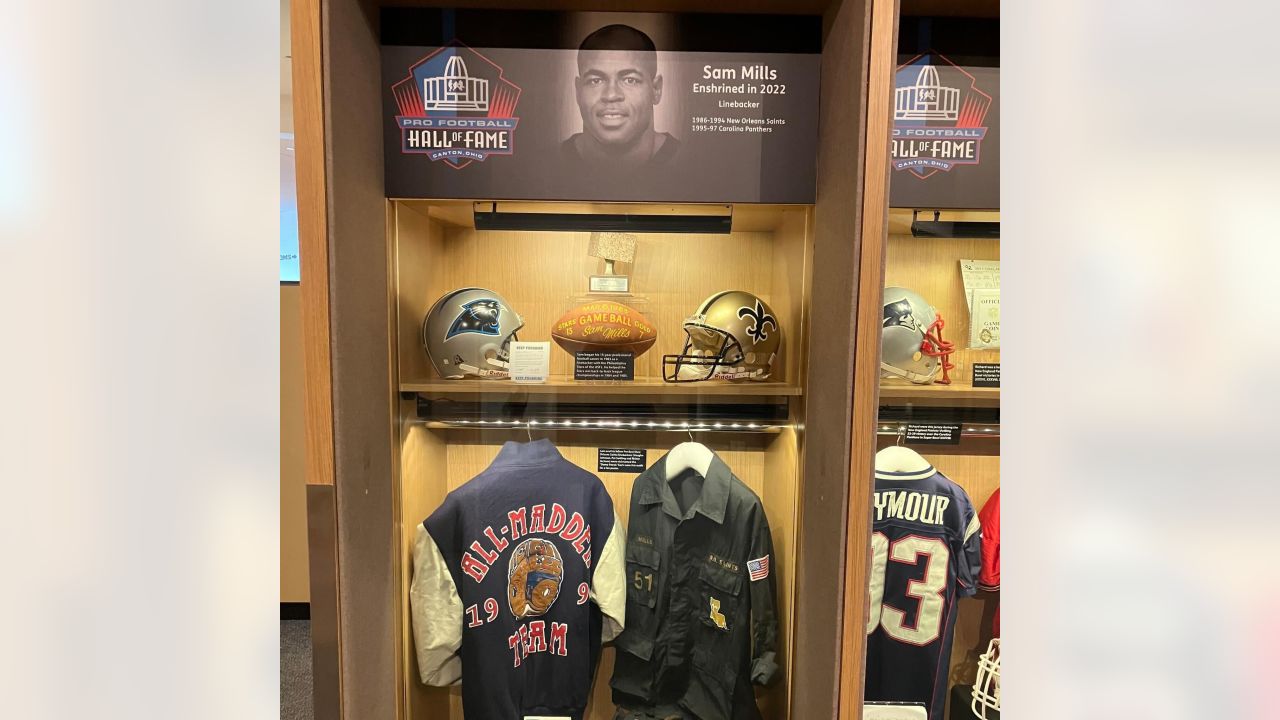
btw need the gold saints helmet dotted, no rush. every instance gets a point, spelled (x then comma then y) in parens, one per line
(733, 335)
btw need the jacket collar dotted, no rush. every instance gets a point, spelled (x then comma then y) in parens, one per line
(538, 452)
(920, 474)
(654, 490)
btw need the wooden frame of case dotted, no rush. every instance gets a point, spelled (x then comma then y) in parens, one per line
(356, 444)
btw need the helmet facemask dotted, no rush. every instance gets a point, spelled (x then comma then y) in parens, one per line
(934, 346)
(986, 689)
(706, 351)
(494, 361)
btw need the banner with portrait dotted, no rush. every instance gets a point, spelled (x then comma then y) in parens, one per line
(600, 106)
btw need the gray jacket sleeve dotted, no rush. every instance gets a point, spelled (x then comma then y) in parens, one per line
(609, 583)
(436, 612)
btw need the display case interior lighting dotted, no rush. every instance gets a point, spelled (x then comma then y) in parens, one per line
(657, 425)
(952, 228)
(640, 218)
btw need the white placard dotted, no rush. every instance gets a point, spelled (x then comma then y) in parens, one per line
(530, 361)
(873, 711)
(610, 283)
(979, 274)
(984, 320)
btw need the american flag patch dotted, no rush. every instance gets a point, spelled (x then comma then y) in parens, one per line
(758, 569)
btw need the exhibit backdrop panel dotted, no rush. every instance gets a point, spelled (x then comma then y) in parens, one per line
(600, 106)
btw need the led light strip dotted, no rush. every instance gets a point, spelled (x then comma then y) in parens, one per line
(613, 424)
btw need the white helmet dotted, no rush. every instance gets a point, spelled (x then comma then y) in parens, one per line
(469, 332)
(986, 689)
(912, 346)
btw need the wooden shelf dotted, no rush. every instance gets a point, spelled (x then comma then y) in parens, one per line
(641, 387)
(957, 394)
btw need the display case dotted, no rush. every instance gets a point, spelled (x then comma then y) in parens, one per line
(962, 420)
(389, 437)
(938, 432)
(451, 430)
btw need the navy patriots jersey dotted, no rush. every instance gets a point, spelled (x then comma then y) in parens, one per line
(926, 551)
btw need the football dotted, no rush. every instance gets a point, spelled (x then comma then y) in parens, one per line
(604, 325)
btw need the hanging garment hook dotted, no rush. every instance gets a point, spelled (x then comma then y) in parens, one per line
(902, 430)
(528, 431)
(690, 434)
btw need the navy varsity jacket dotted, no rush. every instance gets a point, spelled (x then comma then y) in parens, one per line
(518, 578)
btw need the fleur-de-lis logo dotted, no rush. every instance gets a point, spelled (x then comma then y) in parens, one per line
(760, 321)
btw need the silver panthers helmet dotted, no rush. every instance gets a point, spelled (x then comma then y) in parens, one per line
(912, 346)
(469, 332)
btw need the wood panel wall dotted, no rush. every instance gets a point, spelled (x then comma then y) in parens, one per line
(931, 267)
(876, 33)
(310, 143)
(294, 575)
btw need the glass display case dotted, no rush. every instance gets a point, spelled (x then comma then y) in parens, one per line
(765, 298)
(451, 430)
(934, 547)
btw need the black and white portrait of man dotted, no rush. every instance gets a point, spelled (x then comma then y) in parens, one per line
(617, 88)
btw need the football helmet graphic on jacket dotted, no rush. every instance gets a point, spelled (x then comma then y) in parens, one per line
(733, 335)
(912, 345)
(469, 332)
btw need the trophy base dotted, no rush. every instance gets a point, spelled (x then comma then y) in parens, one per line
(620, 284)
(635, 302)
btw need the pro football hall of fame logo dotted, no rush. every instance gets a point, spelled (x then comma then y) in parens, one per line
(456, 106)
(938, 116)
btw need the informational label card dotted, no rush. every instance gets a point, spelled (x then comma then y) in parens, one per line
(531, 105)
(984, 320)
(986, 375)
(530, 361)
(933, 433)
(622, 460)
(604, 366)
(877, 711)
(979, 274)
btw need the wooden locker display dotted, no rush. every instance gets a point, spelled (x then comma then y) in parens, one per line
(541, 274)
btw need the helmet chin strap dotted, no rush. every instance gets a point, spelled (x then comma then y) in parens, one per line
(934, 346)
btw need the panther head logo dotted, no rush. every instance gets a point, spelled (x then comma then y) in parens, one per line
(478, 316)
(760, 321)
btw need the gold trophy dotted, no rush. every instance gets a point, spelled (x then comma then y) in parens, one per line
(612, 247)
